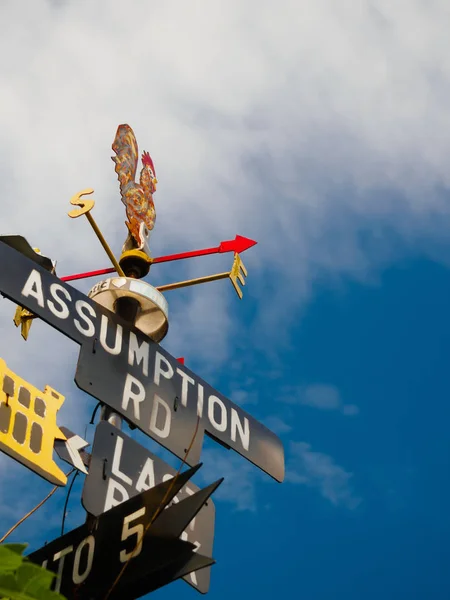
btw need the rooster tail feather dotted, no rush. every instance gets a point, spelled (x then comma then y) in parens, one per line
(126, 159)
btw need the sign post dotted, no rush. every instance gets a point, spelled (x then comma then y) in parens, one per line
(147, 524)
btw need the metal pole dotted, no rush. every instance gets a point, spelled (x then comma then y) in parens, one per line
(127, 308)
(181, 284)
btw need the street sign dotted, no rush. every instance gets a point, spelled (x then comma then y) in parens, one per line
(71, 450)
(28, 424)
(62, 306)
(122, 367)
(127, 550)
(164, 399)
(120, 468)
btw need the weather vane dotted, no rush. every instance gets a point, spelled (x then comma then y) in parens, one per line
(135, 260)
(137, 197)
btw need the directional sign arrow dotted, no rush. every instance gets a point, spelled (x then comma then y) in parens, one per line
(238, 245)
(71, 450)
(89, 559)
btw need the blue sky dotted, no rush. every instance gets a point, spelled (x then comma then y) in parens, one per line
(364, 509)
(319, 129)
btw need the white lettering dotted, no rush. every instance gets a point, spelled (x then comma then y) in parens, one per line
(164, 431)
(138, 352)
(244, 431)
(137, 396)
(61, 310)
(80, 307)
(115, 469)
(146, 477)
(33, 287)
(61, 556)
(222, 424)
(111, 500)
(168, 374)
(76, 576)
(184, 386)
(200, 394)
(127, 531)
(104, 332)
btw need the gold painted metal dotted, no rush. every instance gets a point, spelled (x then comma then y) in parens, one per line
(138, 254)
(135, 263)
(238, 272)
(181, 284)
(85, 206)
(28, 427)
(23, 318)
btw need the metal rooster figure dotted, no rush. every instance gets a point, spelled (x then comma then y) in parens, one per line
(137, 197)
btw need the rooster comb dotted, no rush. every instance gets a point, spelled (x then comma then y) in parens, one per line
(146, 160)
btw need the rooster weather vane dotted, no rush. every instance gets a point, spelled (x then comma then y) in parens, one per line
(137, 197)
(135, 260)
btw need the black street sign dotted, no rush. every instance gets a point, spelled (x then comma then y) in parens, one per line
(126, 370)
(120, 468)
(89, 559)
(165, 399)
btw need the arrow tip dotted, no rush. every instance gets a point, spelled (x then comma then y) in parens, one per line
(238, 245)
(242, 243)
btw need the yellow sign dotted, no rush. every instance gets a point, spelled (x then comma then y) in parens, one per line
(238, 272)
(28, 426)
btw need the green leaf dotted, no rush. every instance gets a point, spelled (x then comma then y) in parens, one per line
(14, 595)
(19, 548)
(20, 579)
(32, 578)
(8, 581)
(9, 559)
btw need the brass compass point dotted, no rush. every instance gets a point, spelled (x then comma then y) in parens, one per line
(84, 206)
(135, 263)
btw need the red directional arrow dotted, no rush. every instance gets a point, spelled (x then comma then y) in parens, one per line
(239, 244)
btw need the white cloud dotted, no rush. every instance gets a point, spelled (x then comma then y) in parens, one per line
(350, 409)
(239, 486)
(295, 126)
(326, 397)
(277, 425)
(304, 466)
(318, 395)
(242, 397)
(318, 470)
